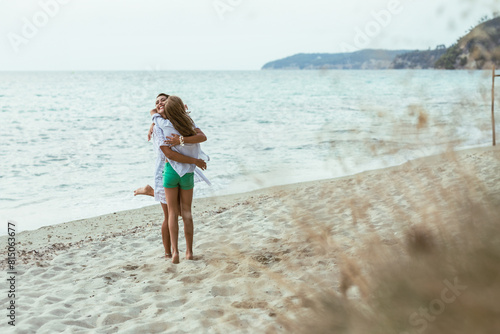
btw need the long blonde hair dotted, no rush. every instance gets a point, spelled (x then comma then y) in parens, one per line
(176, 113)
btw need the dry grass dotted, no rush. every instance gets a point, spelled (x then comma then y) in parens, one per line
(441, 275)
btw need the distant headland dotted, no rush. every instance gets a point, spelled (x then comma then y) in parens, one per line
(478, 49)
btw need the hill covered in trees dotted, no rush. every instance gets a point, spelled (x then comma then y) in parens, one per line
(478, 49)
(418, 59)
(364, 59)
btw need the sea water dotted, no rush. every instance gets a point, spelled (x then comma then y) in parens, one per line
(74, 144)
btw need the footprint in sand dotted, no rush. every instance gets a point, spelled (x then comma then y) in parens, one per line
(213, 314)
(147, 267)
(175, 303)
(232, 266)
(60, 312)
(193, 279)
(153, 288)
(266, 258)
(130, 267)
(223, 291)
(113, 319)
(250, 304)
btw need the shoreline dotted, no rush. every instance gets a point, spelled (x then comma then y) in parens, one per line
(214, 202)
(223, 193)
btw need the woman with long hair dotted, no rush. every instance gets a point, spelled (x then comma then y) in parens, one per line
(157, 191)
(178, 176)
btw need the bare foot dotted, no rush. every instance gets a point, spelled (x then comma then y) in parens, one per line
(189, 256)
(147, 190)
(168, 256)
(175, 258)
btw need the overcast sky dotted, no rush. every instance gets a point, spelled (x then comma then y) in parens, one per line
(218, 34)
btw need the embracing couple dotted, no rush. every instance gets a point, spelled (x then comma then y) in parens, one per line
(177, 141)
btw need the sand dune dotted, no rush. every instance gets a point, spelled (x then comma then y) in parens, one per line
(254, 252)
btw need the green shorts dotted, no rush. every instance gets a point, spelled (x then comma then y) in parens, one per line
(172, 180)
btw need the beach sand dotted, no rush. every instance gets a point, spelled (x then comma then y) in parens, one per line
(255, 253)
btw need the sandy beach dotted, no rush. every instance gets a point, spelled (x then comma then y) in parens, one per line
(256, 254)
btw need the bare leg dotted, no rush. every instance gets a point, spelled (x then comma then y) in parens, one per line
(165, 233)
(180, 202)
(173, 220)
(147, 190)
(187, 218)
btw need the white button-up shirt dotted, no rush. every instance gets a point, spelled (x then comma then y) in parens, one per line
(190, 150)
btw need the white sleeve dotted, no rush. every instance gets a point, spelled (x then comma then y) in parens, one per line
(165, 125)
(158, 137)
(160, 121)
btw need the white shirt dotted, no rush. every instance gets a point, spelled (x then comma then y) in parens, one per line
(158, 139)
(190, 150)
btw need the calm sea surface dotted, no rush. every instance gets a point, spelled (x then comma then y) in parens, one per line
(73, 145)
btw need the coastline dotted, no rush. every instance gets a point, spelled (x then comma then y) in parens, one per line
(253, 251)
(231, 193)
(95, 226)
